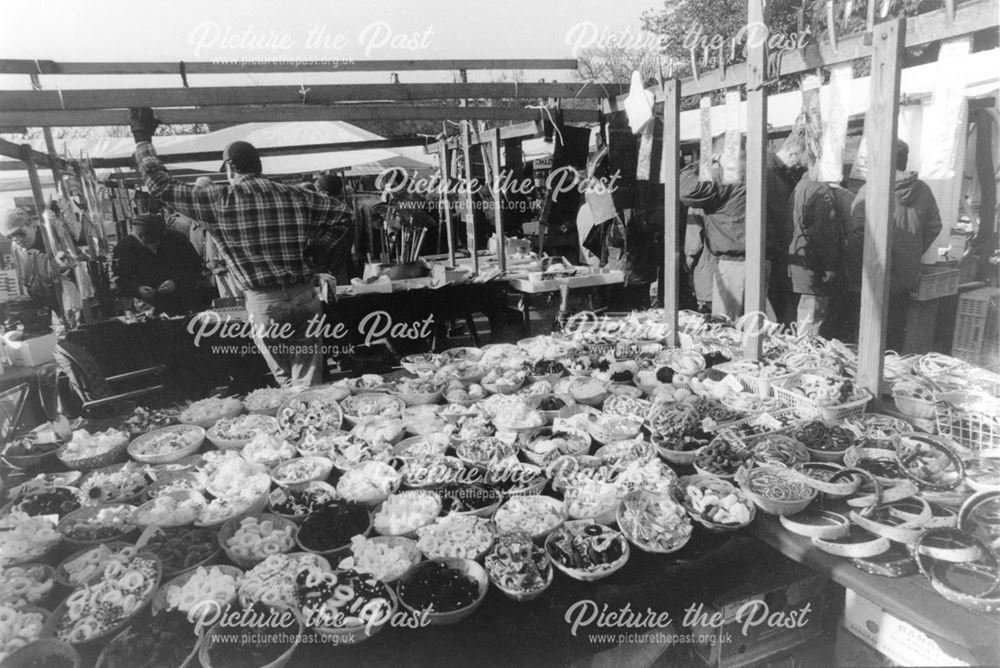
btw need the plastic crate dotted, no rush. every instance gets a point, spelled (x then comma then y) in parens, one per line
(976, 326)
(759, 386)
(978, 302)
(972, 429)
(807, 408)
(936, 283)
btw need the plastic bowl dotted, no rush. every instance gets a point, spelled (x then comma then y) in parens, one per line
(466, 566)
(230, 527)
(323, 467)
(315, 484)
(771, 506)
(159, 603)
(582, 574)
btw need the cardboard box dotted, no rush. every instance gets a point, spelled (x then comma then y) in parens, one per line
(901, 642)
(32, 352)
(850, 650)
(732, 647)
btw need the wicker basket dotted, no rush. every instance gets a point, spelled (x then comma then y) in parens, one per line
(96, 641)
(179, 495)
(167, 457)
(107, 458)
(209, 422)
(62, 577)
(66, 522)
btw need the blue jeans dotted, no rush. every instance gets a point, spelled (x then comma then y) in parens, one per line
(295, 360)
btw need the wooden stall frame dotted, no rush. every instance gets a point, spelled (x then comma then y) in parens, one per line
(755, 297)
(882, 124)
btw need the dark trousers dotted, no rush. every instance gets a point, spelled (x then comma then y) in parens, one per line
(895, 329)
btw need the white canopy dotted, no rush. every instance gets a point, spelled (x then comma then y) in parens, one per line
(264, 135)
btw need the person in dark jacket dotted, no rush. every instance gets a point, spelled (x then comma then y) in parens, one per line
(916, 224)
(159, 266)
(723, 207)
(815, 254)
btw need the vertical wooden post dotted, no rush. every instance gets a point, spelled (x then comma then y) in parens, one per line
(470, 212)
(755, 297)
(670, 171)
(882, 123)
(445, 185)
(36, 185)
(50, 144)
(495, 146)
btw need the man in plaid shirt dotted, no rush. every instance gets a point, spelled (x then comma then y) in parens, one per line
(266, 232)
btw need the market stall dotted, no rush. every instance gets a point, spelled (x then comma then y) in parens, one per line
(490, 504)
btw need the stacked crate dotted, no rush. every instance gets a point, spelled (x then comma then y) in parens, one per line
(977, 328)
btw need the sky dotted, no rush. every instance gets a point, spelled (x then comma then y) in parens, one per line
(197, 30)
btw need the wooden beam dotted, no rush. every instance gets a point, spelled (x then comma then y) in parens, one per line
(887, 56)
(755, 296)
(288, 113)
(470, 212)
(670, 171)
(202, 156)
(496, 159)
(11, 150)
(232, 96)
(302, 149)
(12, 66)
(970, 17)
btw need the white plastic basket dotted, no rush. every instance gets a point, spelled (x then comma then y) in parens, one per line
(808, 408)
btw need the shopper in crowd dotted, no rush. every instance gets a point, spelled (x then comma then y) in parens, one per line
(723, 207)
(700, 263)
(38, 270)
(815, 254)
(332, 186)
(815, 261)
(916, 223)
(265, 231)
(159, 266)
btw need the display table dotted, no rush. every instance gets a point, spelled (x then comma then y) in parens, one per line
(910, 598)
(614, 277)
(410, 321)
